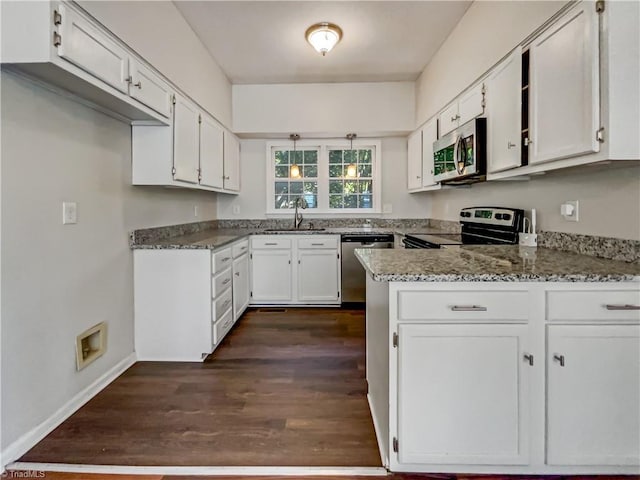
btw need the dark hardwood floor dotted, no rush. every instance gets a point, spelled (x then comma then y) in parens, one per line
(284, 389)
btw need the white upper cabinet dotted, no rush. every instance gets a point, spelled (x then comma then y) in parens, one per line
(564, 87)
(211, 153)
(429, 135)
(504, 110)
(185, 140)
(465, 108)
(414, 160)
(146, 87)
(84, 45)
(231, 162)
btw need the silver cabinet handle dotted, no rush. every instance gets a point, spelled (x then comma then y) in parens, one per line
(417, 176)
(139, 84)
(527, 142)
(317, 244)
(226, 259)
(559, 358)
(243, 248)
(224, 305)
(456, 117)
(226, 281)
(271, 243)
(468, 308)
(511, 145)
(529, 358)
(622, 307)
(237, 274)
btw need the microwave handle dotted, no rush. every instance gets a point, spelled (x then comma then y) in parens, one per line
(459, 155)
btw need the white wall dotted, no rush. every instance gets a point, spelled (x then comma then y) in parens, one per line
(252, 198)
(59, 280)
(159, 33)
(327, 109)
(485, 34)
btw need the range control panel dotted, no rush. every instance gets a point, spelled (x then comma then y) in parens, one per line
(506, 217)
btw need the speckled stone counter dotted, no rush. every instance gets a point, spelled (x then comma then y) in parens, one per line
(480, 263)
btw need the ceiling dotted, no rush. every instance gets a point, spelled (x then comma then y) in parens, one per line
(263, 41)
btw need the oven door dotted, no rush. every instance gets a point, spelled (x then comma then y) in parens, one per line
(411, 243)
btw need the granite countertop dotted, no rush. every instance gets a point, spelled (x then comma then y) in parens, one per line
(485, 263)
(216, 238)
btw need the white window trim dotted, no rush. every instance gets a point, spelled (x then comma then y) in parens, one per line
(323, 146)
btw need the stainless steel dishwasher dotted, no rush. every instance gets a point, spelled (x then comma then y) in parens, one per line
(353, 274)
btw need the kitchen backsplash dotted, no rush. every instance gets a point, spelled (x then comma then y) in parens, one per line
(328, 223)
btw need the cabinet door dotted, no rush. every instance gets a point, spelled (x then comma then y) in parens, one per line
(231, 162)
(91, 50)
(271, 276)
(593, 395)
(429, 135)
(564, 112)
(448, 119)
(240, 285)
(463, 394)
(185, 140)
(148, 88)
(504, 97)
(211, 153)
(414, 160)
(318, 275)
(471, 104)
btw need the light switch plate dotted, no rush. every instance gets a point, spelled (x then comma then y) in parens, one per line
(387, 208)
(69, 213)
(236, 209)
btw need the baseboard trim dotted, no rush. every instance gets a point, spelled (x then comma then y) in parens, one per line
(188, 471)
(29, 439)
(376, 428)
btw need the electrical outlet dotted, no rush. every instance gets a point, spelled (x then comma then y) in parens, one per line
(569, 210)
(387, 208)
(236, 209)
(69, 213)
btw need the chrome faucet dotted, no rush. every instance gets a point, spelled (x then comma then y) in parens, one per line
(300, 202)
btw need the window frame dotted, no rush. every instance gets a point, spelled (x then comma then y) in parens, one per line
(323, 146)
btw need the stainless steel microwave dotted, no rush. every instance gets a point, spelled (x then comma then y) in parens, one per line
(461, 154)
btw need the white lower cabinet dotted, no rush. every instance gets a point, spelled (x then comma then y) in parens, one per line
(463, 394)
(240, 285)
(508, 378)
(593, 395)
(295, 269)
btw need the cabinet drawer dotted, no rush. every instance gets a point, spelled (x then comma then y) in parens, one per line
(221, 328)
(317, 241)
(463, 305)
(270, 242)
(221, 305)
(448, 119)
(220, 283)
(240, 248)
(593, 305)
(221, 260)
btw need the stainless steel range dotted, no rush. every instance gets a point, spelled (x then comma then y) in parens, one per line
(480, 226)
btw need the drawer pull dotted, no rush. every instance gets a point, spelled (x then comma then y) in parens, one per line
(559, 359)
(243, 248)
(271, 243)
(224, 305)
(226, 259)
(622, 307)
(317, 244)
(529, 358)
(237, 274)
(468, 308)
(226, 281)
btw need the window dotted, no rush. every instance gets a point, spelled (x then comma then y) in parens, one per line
(324, 180)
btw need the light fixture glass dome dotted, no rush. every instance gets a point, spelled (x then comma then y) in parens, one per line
(323, 36)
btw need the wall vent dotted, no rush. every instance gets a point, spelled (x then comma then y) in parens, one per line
(90, 345)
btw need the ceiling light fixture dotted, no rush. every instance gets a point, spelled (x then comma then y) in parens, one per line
(294, 171)
(352, 169)
(323, 36)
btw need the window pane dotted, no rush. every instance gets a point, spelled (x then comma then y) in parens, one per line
(312, 201)
(282, 201)
(364, 186)
(281, 157)
(365, 201)
(282, 187)
(296, 188)
(350, 186)
(350, 201)
(349, 156)
(335, 201)
(282, 171)
(335, 156)
(335, 171)
(296, 157)
(310, 171)
(311, 187)
(364, 170)
(335, 186)
(364, 156)
(310, 157)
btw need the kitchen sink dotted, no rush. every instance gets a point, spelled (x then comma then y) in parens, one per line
(295, 229)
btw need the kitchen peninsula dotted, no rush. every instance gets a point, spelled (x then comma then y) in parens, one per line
(502, 359)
